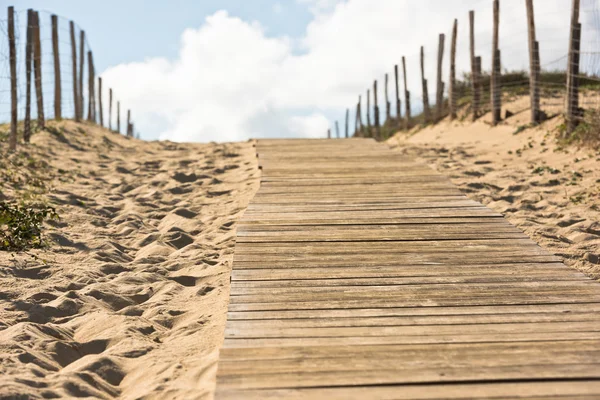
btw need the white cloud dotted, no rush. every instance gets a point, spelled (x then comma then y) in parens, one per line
(231, 81)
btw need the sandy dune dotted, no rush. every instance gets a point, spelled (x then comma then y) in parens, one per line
(550, 191)
(130, 302)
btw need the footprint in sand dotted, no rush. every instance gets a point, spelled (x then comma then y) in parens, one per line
(185, 178)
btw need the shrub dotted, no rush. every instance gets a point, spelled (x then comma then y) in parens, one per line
(21, 225)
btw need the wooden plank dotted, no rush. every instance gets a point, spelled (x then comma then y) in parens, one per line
(406, 273)
(377, 322)
(527, 298)
(393, 281)
(537, 309)
(305, 342)
(556, 389)
(441, 374)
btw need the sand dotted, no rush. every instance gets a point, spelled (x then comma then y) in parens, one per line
(550, 191)
(130, 301)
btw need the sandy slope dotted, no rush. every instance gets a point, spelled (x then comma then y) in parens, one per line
(131, 301)
(551, 192)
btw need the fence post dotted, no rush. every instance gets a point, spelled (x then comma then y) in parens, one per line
(110, 109)
(100, 114)
(28, 61)
(57, 83)
(398, 102)
(573, 69)
(479, 87)
(118, 117)
(359, 115)
(337, 127)
(347, 122)
(328, 133)
(129, 125)
(91, 95)
(474, 70)
(406, 97)
(439, 99)
(368, 113)
(74, 62)
(13, 79)
(452, 83)
(495, 79)
(81, 64)
(376, 111)
(388, 105)
(534, 66)
(426, 110)
(37, 69)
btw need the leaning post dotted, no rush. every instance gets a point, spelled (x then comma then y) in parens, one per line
(12, 143)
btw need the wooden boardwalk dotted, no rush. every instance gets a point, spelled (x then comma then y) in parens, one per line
(360, 274)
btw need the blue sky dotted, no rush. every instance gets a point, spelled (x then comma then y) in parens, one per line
(230, 70)
(132, 30)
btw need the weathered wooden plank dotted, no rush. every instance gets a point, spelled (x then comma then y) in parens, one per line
(555, 389)
(536, 309)
(441, 374)
(512, 337)
(497, 299)
(253, 261)
(377, 322)
(406, 273)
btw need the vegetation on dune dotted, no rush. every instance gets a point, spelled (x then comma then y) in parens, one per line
(21, 226)
(513, 84)
(24, 180)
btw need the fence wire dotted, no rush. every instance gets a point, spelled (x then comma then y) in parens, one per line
(552, 34)
(65, 56)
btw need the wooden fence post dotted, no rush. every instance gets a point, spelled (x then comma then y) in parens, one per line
(359, 127)
(118, 117)
(398, 102)
(495, 78)
(479, 69)
(376, 111)
(129, 132)
(337, 127)
(474, 70)
(81, 64)
(368, 113)
(328, 133)
(13, 79)
(534, 65)
(110, 109)
(347, 122)
(57, 83)
(452, 84)
(426, 109)
(439, 99)
(406, 97)
(573, 69)
(74, 62)
(91, 95)
(37, 69)
(388, 105)
(28, 65)
(101, 119)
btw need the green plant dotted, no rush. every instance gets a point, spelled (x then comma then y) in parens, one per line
(21, 225)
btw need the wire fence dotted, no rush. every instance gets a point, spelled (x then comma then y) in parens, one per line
(480, 71)
(55, 76)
